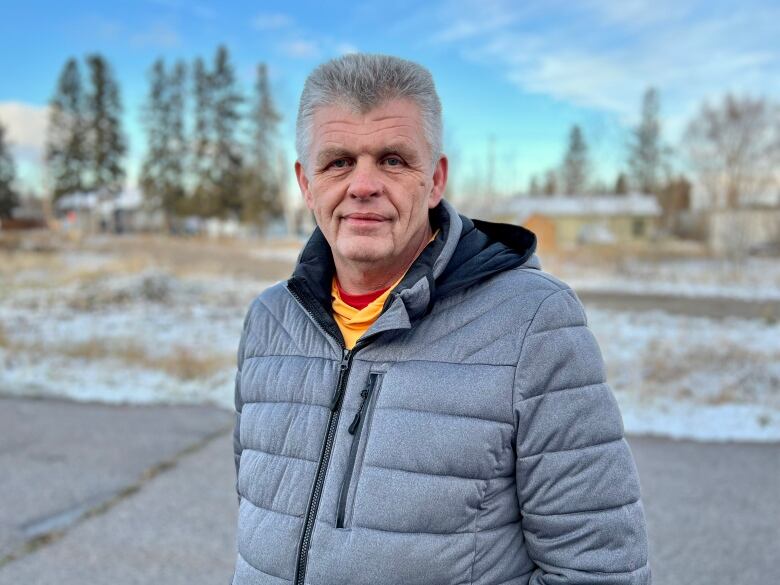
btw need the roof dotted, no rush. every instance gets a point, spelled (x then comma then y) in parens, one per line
(637, 204)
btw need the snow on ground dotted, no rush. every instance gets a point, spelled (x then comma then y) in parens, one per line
(154, 336)
(692, 377)
(750, 279)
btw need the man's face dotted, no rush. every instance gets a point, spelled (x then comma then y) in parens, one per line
(370, 183)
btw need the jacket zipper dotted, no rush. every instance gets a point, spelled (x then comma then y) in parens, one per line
(335, 409)
(355, 429)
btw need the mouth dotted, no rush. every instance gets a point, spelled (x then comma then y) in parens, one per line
(364, 219)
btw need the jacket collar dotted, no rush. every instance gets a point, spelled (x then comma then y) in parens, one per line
(464, 252)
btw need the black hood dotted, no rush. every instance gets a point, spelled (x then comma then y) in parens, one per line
(483, 249)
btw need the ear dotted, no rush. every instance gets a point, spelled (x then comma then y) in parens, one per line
(439, 182)
(303, 183)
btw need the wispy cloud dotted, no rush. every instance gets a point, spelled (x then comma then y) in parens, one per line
(25, 125)
(603, 54)
(346, 48)
(300, 49)
(158, 35)
(271, 21)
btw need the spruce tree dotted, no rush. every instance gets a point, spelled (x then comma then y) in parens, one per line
(550, 187)
(621, 184)
(533, 186)
(203, 193)
(9, 198)
(575, 163)
(106, 141)
(155, 115)
(162, 172)
(262, 198)
(178, 149)
(65, 142)
(645, 150)
(228, 160)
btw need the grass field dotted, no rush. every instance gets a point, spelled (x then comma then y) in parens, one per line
(156, 319)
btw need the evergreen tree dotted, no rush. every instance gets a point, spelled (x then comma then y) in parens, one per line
(106, 142)
(227, 161)
(9, 198)
(155, 116)
(550, 183)
(65, 146)
(202, 194)
(262, 189)
(645, 150)
(162, 173)
(621, 184)
(533, 186)
(575, 164)
(178, 148)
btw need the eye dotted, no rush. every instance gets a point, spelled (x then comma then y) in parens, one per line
(339, 163)
(393, 161)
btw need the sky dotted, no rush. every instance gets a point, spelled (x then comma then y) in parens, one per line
(513, 77)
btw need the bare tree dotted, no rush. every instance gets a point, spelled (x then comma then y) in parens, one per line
(734, 148)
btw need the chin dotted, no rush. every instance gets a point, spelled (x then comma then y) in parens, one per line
(359, 250)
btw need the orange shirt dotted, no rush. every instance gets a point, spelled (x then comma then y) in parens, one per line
(354, 322)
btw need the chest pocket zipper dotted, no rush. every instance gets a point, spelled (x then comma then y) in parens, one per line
(361, 420)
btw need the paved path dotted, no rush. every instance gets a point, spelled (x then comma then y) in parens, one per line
(696, 306)
(136, 495)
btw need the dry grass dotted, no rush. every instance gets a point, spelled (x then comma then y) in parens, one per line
(734, 374)
(130, 254)
(180, 362)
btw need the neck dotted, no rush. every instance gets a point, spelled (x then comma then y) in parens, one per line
(360, 279)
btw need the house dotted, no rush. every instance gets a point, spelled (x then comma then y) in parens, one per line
(561, 221)
(29, 214)
(77, 212)
(124, 212)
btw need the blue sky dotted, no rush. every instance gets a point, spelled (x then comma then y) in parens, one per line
(513, 76)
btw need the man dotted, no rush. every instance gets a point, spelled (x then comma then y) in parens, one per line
(420, 403)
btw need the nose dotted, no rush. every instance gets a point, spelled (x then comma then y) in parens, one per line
(364, 181)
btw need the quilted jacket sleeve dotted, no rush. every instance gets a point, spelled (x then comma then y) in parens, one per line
(577, 482)
(239, 403)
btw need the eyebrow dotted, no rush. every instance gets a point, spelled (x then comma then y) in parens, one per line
(333, 153)
(329, 154)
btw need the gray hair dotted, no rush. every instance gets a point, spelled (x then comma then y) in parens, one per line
(363, 82)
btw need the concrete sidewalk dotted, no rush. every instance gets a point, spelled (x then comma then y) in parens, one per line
(115, 495)
(121, 495)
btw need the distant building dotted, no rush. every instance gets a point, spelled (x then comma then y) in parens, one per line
(92, 212)
(745, 230)
(561, 221)
(29, 214)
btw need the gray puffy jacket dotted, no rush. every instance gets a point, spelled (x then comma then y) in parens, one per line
(469, 437)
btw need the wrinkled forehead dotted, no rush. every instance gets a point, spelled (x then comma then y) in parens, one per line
(394, 121)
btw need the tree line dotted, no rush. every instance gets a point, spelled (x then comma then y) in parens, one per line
(732, 148)
(210, 150)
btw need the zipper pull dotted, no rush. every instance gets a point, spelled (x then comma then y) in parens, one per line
(364, 394)
(356, 420)
(343, 366)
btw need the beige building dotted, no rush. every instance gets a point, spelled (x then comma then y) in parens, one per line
(562, 221)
